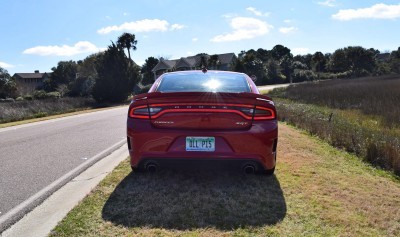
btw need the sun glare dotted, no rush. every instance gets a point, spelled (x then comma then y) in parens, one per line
(212, 84)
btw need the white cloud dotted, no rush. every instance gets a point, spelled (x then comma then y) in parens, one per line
(328, 3)
(64, 50)
(229, 15)
(287, 30)
(195, 39)
(145, 25)
(301, 51)
(244, 28)
(377, 11)
(177, 27)
(287, 21)
(257, 12)
(6, 65)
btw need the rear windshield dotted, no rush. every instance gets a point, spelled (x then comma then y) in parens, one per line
(204, 82)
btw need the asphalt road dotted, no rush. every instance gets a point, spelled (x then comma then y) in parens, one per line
(32, 156)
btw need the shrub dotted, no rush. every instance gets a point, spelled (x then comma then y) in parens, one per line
(26, 109)
(28, 97)
(7, 100)
(303, 75)
(41, 94)
(53, 95)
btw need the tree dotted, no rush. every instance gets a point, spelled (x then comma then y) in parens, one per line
(127, 41)
(286, 65)
(7, 84)
(279, 51)
(395, 61)
(146, 70)
(253, 66)
(213, 62)
(362, 61)
(273, 75)
(202, 63)
(318, 62)
(85, 79)
(339, 62)
(305, 59)
(264, 55)
(239, 67)
(64, 73)
(116, 76)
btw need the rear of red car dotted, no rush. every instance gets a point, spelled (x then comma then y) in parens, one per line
(198, 116)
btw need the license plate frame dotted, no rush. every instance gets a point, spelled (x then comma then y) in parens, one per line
(205, 144)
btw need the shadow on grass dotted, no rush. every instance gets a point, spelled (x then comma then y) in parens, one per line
(189, 199)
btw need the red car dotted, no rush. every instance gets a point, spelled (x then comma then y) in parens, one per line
(203, 116)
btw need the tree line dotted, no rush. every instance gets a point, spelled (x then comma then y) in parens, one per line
(278, 65)
(110, 76)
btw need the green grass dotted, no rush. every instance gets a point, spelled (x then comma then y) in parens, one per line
(317, 191)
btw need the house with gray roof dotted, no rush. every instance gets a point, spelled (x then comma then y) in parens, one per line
(223, 62)
(28, 82)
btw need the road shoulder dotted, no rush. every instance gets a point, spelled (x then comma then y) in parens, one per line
(41, 220)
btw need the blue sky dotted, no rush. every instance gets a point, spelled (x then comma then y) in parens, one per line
(37, 34)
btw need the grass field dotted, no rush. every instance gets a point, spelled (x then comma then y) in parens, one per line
(316, 191)
(22, 110)
(376, 96)
(361, 116)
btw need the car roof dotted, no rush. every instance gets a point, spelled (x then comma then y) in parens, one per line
(201, 72)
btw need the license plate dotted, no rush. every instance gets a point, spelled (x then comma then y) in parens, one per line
(200, 143)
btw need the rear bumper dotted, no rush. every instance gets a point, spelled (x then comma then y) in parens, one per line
(257, 144)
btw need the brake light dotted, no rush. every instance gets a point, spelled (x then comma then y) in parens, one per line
(263, 113)
(246, 111)
(260, 113)
(143, 112)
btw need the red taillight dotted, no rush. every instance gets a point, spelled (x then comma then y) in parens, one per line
(143, 112)
(246, 111)
(260, 113)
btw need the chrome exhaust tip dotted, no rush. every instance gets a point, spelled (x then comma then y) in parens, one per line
(249, 169)
(151, 167)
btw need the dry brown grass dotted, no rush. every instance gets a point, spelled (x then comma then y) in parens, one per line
(317, 191)
(28, 109)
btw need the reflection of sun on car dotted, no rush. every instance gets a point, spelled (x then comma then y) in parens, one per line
(203, 116)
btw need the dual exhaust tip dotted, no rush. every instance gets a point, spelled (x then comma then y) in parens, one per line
(249, 169)
(153, 167)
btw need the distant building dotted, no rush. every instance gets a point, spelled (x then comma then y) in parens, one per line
(28, 82)
(223, 62)
(383, 57)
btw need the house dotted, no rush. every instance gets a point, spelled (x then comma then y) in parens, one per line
(383, 57)
(223, 62)
(28, 82)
